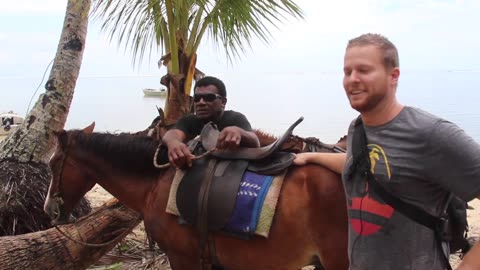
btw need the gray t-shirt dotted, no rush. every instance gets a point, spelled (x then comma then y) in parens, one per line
(420, 158)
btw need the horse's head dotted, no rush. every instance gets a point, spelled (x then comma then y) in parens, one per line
(70, 181)
(157, 128)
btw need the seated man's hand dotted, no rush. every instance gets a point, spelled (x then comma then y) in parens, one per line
(300, 159)
(229, 138)
(179, 155)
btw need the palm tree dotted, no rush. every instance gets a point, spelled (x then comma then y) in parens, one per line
(24, 155)
(179, 26)
(25, 176)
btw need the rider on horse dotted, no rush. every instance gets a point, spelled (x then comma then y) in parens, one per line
(210, 98)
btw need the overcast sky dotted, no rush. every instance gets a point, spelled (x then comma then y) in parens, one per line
(434, 34)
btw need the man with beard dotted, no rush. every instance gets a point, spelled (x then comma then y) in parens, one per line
(210, 98)
(417, 157)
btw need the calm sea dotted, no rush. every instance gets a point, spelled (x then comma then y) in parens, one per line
(272, 101)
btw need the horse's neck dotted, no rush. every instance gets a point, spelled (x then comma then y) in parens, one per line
(128, 188)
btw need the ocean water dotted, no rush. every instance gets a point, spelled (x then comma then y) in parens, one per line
(271, 101)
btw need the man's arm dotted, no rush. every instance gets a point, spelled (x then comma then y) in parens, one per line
(178, 152)
(249, 139)
(332, 161)
(238, 133)
(233, 137)
(173, 136)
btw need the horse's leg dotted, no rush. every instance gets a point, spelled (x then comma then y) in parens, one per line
(331, 238)
(178, 262)
(333, 246)
(331, 261)
(317, 265)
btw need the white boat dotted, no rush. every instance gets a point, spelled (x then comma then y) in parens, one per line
(155, 92)
(9, 122)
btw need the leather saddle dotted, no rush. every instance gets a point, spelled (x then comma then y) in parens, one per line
(207, 193)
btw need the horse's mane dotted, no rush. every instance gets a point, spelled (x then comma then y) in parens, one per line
(129, 152)
(343, 138)
(264, 137)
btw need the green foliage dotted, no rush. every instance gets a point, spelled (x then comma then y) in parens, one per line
(172, 25)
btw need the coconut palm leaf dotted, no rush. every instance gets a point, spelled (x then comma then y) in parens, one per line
(150, 25)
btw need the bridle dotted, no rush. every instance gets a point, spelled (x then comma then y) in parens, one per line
(57, 198)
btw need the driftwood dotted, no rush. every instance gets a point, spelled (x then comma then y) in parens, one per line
(49, 249)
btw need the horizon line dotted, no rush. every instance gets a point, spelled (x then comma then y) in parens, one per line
(237, 72)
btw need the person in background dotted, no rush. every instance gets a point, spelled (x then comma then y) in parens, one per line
(210, 98)
(418, 157)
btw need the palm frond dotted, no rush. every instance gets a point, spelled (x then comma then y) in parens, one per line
(180, 24)
(135, 24)
(235, 22)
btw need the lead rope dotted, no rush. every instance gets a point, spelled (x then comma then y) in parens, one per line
(166, 165)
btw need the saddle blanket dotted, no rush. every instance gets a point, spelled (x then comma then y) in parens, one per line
(255, 205)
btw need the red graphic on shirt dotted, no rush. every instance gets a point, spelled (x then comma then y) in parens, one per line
(368, 204)
(370, 213)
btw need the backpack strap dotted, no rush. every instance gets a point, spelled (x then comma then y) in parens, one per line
(361, 164)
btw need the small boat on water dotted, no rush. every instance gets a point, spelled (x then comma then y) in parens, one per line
(9, 122)
(155, 92)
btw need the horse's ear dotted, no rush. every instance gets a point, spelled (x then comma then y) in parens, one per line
(90, 128)
(161, 113)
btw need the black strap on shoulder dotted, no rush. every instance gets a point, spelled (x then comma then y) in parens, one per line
(361, 163)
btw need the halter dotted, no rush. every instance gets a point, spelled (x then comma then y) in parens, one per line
(57, 197)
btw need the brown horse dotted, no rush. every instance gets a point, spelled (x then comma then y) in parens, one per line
(310, 221)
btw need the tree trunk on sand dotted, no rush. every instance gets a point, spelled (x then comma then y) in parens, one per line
(51, 250)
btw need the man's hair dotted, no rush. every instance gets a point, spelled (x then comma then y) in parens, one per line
(390, 52)
(209, 80)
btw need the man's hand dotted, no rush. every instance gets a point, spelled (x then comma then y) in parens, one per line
(229, 138)
(300, 159)
(179, 155)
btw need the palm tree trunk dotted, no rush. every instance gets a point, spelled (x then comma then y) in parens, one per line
(51, 250)
(179, 102)
(34, 140)
(25, 177)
